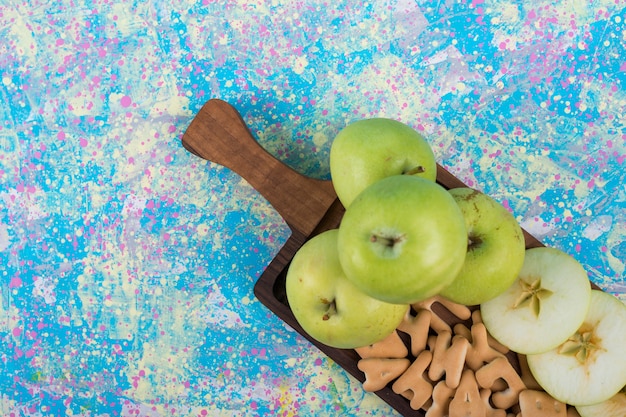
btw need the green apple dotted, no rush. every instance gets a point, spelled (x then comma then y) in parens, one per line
(368, 150)
(403, 239)
(495, 251)
(613, 407)
(544, 306)
(328, 306)
(590, 366)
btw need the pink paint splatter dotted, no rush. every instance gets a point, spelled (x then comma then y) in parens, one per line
(125, 101)
(16, 282)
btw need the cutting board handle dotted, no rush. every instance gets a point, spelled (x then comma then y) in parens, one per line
(219, 134)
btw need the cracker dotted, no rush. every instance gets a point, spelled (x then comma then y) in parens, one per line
(441, 397)
(413, 384)
(485, 395)
(498, 385)
(448, 358)
(460, 311)
(494, 370)
(390, 347)
(380, 371)
(462, 330)
(428, 403)
(480, 351)
(535, 403)
(454, 370)
(467, 400)
(417, 327)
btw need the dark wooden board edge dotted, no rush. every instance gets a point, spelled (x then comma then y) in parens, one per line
(270, 290)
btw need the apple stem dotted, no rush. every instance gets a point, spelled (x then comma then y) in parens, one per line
(473, 241)
(387, 241)
(417, 170)
(330, 311)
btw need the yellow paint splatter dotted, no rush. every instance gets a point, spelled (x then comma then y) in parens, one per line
(287, 402)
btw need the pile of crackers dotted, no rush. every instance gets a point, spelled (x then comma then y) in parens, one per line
(444, 362)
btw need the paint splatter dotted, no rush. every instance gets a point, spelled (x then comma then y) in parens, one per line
(129, 263)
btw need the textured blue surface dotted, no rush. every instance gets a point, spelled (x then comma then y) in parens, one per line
(128, 264)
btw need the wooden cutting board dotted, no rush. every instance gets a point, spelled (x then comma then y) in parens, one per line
(309, 206)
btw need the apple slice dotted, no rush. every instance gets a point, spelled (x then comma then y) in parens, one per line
(328, 306)
(613, 407)
(543, 307)
(495, 251)
(590, 366)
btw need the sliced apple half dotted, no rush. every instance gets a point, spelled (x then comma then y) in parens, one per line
(545, 305)
(613, 407)
(590, 366)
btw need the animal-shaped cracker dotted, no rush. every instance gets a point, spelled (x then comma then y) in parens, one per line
(390, 347)
(413, 384)
(448, 358)
(540, 404)
(480, 351)
(437, 323)
(485, 395)
(442, 395)
(494, 370)
(380, 371)
(417, 328)
(467, 400)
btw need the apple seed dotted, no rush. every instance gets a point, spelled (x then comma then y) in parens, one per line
(532, 295)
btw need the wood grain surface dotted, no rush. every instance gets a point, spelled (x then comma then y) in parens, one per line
(219, 134)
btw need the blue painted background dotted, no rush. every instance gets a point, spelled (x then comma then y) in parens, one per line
(128, 263)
